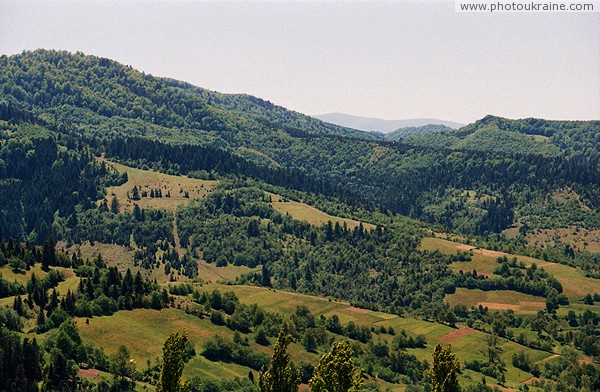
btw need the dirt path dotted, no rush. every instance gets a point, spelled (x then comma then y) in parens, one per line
(89, 373)
(358, 310)
(551, 357)
(178, 248)
(499, 306)
(459, 333)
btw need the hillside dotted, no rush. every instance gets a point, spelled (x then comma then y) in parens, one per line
(133, 206)
(68, 89)
(403, 133)
(525, 136)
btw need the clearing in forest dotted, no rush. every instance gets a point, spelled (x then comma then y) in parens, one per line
(169, 191)
(497, 300)
(575, 283)
(310, 214)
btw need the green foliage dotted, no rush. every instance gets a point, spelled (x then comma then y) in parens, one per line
(280, 375)
(173, 362)
(443, 373)
(223, 349)
(336, 371)
(123, 370)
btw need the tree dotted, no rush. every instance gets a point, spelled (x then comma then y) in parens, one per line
(49, 253)
(135, 193)
(173, 362)
(336, 371)
(122, 369)
(114, 205)
(280, 376)
(41, 320)
(443, 372)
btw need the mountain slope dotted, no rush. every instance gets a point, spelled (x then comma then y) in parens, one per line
(379, 125)
(424, 178)
(407, 132)
(117, 98)
(525, 136)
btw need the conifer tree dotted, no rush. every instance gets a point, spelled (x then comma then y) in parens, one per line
(114, 205)
(41, 320)
(49, 253)
(18, 305)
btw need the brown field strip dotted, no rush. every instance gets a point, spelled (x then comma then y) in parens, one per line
(459, 333)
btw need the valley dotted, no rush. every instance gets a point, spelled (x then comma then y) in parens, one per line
(133, 207)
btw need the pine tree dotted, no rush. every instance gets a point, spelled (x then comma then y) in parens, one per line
(135, 193)
(114, 205)
(41, 320)
(336, 371)
(280, 376)
(173, 364)
(443, 372)
(49, 253)
(18, 305)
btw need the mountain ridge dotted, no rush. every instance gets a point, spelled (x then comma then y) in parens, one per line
(372, 124)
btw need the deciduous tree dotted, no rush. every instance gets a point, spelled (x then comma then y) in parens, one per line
(443, 372)
(172, 364)
(336, 371)
(280, 376)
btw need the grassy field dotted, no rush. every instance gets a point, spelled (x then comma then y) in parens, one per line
(498, 300)
(310, 214)
(11, 276)
(286, 302)
(112, 254)
(578, 238)
(210, 273)
(575, 283)
(146, 180)
(143, 331)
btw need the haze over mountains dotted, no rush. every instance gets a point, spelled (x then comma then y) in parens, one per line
(379, 125)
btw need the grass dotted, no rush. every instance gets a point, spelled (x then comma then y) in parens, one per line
(11, 276)
(579, 238)
(286, 303)
(143, 331)
(575, 283)
(210, 273)
(146, 180)
(310, 214)
(497, 299)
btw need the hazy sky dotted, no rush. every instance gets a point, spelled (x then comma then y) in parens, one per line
(392, 59)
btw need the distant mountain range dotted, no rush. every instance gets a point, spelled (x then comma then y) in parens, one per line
(380, 125)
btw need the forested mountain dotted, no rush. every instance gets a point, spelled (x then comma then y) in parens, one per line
(580, 139)
(238, 190)
(425, 178)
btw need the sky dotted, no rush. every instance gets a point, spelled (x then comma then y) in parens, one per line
(388, 59)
